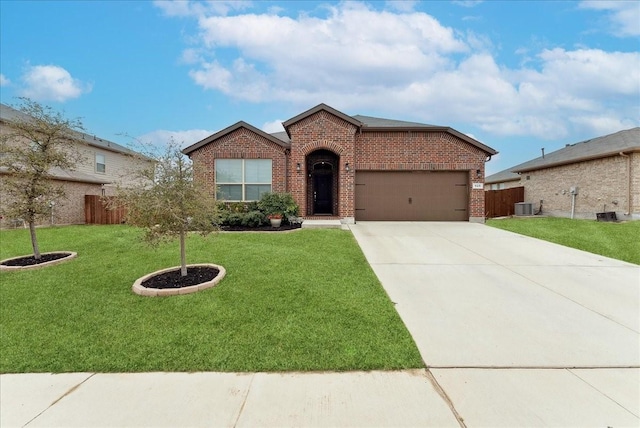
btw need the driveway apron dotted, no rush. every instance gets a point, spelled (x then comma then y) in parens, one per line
(516, 330)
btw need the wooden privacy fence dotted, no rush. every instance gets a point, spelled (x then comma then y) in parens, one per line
(499, 203)
(96, 212)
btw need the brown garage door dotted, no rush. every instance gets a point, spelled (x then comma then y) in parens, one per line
(412, 195)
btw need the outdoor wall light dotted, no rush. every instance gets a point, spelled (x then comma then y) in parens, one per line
(298, 168)
(478, 173)
(346, 167)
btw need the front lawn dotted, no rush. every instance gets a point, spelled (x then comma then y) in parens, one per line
(305, 300)
(616, 240)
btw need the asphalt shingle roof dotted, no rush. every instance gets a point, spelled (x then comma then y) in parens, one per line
(377, 122)
(608, 145)
(10, 114)
(502, 176)
(362, 122)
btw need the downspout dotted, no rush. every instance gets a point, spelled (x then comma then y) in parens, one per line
(287, 165)
(573, 204)
(628, 182)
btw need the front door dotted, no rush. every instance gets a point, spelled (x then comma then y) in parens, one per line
(322, 182)
(323, 191)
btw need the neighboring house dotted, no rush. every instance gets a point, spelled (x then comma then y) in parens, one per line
(104, 164)
(502, 180)
(582, 179)
(350, 167)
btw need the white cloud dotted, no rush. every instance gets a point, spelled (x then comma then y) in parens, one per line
(195, 8)
(602, 124)
(191, 56)
(213, 76)
(290, 59)
(401, 5)
(51, 83)
(4, 81)
(162, 137)
(467, 3)
(356, 58)
(624, 16)
(273, 127)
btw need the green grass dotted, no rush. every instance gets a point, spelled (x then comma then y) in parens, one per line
(290, 301)
(616, 240)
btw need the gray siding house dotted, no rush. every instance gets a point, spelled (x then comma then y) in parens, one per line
(105, 164)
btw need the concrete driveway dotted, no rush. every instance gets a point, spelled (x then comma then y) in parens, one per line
(517, 331)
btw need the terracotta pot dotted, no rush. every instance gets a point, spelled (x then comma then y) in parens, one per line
(275, 222)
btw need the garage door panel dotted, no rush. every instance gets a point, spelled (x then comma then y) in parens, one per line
(412, 195)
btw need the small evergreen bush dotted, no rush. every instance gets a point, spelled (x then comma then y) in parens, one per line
(255, 213)
(254, 219)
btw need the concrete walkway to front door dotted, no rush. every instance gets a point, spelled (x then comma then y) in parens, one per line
(517, 331)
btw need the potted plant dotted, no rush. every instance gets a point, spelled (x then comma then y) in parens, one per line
(275, 219)
(278, 207)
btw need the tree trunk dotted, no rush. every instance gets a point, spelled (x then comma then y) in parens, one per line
(34, 241)
(183, 255)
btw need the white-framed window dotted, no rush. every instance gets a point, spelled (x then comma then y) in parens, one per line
(101, 163)
(242, 179)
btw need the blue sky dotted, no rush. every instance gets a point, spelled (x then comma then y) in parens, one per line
(516, 75)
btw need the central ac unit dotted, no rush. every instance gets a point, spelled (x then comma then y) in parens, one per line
(524, 208)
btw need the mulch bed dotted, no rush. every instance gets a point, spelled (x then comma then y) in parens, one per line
(173, 279)
(267, 228)
(30, 260)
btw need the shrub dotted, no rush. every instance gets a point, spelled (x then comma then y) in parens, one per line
(253, 219)
(255, 213)
(278, 203)
(234, 219)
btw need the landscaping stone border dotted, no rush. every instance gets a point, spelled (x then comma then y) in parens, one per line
(70, 255)
(159, 292)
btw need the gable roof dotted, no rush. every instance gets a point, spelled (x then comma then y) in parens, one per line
(9, 114)
(370, 123)
(230, 129)
(608, 145)
(363, 123)
(316, 109)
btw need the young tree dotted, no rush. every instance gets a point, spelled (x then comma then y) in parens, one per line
(166, 201)
(37, 142)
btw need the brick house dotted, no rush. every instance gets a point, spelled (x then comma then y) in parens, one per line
(104, 164)
(502, 180)
(597, 175)
(349, 167)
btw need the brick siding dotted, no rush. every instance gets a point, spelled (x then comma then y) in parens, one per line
(118, 167)
(240, 144)
(602, 186)
(362, 150)
(425, 151)
(68, 210)
(323, 130)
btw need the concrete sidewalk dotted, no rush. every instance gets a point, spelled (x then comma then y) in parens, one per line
(363, 399)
